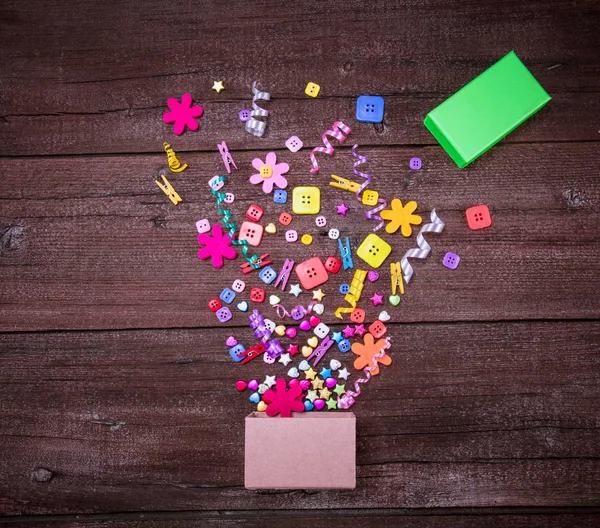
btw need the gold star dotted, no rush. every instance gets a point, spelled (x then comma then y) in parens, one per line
(331, 404)
(317, 384)
(218, 86)
(318, 295)
(310, 374)
(311, 395)
(339, 389)
(324, 393)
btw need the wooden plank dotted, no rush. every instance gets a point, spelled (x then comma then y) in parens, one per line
(468, 415)
(92, 242)
(101, 86)
(476, 517)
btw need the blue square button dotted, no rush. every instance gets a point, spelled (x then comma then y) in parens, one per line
(227, 295)
(369, 109)
(267, 275)
(280, 196)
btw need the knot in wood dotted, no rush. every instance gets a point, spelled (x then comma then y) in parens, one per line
(11, 238)
(42, 475)
(348, 65)
(573, 198)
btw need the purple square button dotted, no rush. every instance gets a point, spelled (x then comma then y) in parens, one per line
(224, 314)
(451, 260)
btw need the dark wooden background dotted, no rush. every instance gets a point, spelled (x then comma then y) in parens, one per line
(117, 404)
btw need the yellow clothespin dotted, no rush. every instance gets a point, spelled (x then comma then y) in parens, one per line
(344, 184)
(167, 188)
(396, 278)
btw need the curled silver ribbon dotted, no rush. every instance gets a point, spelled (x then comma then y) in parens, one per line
(436, 226)
(253, 125)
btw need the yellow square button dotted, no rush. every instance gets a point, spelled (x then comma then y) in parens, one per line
(374, 250)
(312, 89)
(370, 198)
(306, 200)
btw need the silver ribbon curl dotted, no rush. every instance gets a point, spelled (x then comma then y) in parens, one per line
(436, 226)
(253, 125)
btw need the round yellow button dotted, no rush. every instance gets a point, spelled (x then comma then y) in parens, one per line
(306, 239)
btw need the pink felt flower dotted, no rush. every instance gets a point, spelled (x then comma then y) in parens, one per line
(182, 114)
(283, 402)
(269, 173)
(216, 247)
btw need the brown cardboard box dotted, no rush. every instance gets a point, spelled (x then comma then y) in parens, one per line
(307, 451)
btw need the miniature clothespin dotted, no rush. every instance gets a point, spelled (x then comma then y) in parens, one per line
(319, 352)
(174, 164)
(252, 352)
(263, 260)
(167, 188)
(344, 184)
(284, 274)
(396, 278)
(346, 253)
(226, 156)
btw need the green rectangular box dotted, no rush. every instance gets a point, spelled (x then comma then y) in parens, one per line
(481, 113)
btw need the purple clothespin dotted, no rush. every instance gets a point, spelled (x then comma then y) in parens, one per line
(284, 274)
(319, 352)
(226, 155)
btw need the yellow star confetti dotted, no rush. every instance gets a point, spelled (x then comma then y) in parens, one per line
(310, 374)
(218, 86)
(317, 383)
(318, 295)
(324, 393)
(401, 217)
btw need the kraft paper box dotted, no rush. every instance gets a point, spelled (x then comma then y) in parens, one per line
(282, 453)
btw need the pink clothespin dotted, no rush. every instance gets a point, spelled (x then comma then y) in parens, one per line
(226, 155)
(319, 352)
(252, 352)
(284, 274)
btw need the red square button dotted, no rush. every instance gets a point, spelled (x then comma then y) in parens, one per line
(254, 212)
(311, 273)
(358, 315)
(478, 217)
(257, 295)
(285, 219)
(333, 264)
(377, 329)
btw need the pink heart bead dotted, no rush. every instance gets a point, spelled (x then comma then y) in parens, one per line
(293, 382)
(305, 325)
(241, 385)
(253, 385)
(305, 384)
(314, 320)
(231, 341)
(291, 332)
(319, 404)
(372, 276)
(330, 383)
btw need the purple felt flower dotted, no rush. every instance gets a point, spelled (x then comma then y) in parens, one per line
(269, 173)
(216, 247)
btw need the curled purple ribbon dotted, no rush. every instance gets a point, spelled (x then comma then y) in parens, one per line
(257, 323)
(372, 214)
(297, 313)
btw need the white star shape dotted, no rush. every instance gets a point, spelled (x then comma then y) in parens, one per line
(343, 373)
(295, 289)
(218, 86)
(270, 381)
(285, 359)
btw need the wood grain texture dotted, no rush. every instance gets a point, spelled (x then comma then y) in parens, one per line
(468, 415)
(93, 79)
(417, 518)
(100, 246)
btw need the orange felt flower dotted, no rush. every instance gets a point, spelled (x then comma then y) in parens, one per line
(366, 353)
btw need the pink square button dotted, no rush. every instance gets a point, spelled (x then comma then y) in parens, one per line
(251, 232)
(311, 273)
(294, 144)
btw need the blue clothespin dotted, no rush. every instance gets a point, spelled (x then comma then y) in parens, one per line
(346, 254)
